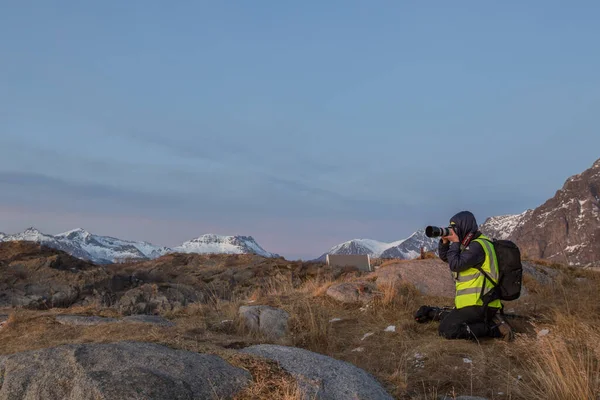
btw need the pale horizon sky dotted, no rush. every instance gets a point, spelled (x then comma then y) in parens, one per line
(302, 124)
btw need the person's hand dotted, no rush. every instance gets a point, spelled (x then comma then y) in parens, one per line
(453, 237)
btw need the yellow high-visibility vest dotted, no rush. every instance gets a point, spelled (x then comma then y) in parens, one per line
(470, 283)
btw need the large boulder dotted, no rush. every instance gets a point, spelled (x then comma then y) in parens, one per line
(321, 377)
(270, 321)
(353, 292)
(123, 370)
(431, 277)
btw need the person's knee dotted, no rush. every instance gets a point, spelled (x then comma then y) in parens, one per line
(448, 331)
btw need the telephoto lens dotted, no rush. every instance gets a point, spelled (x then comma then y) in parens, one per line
(435, 231)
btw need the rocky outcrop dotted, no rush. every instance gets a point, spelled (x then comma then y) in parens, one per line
(36, 277)
(431, 276)
(123, 370)
(565, 229)
(270, 321)
(353, 292)
(321, 377)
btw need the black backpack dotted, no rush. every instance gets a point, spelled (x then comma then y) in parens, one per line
(510, 272)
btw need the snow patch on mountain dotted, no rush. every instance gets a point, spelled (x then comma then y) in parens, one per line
(502, 227)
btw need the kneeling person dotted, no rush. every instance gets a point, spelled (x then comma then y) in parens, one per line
(468, 252)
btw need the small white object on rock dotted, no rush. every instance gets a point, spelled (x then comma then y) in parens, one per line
(543, 332)
(358, 349)
(226, 321)
(335, 319)
(467, 360)
(390, 328)
(366, 335)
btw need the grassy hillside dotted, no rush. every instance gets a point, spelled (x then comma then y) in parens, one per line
(555, 354)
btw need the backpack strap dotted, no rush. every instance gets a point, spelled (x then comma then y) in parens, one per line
(486, 298)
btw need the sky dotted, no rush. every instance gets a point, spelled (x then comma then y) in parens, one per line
(303, 124)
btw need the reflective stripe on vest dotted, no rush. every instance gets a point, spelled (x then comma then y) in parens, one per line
(470, 283)
(466, 278)
(473, 290)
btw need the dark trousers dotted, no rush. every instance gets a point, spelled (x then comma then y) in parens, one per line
(467, 323)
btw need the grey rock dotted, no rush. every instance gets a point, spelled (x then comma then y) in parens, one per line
(270, 321)
(148, 319)
(83, 320)
(123, 370)
(352, 292)
(65, 297)
(321, 377)
(541, 274)
(143, 300)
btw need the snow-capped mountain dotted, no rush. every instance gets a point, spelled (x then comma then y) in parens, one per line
(108, 249)
(105, 249)
(404, 249)
(565, 229)
(503, 226)
(410, 247)
(210, 243)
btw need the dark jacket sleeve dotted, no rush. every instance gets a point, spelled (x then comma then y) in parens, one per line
(459, 261)
(443, 250)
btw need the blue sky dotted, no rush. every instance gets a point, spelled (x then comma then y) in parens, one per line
(303, 124)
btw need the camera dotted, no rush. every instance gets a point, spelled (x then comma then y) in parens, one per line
(434, 231)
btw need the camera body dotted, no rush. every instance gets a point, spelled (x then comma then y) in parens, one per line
(435, 231)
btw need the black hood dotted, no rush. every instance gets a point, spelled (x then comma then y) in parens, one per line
(463, 223)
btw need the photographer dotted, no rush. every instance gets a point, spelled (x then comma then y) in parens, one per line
(466, 250)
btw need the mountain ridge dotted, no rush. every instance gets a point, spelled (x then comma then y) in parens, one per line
(107, 249)
(564, 229)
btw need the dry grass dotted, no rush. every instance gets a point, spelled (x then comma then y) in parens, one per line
(412, 361)
(270, 381)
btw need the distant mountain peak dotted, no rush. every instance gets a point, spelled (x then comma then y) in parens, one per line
(212, 243)
(77, 232)
(405, 248)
